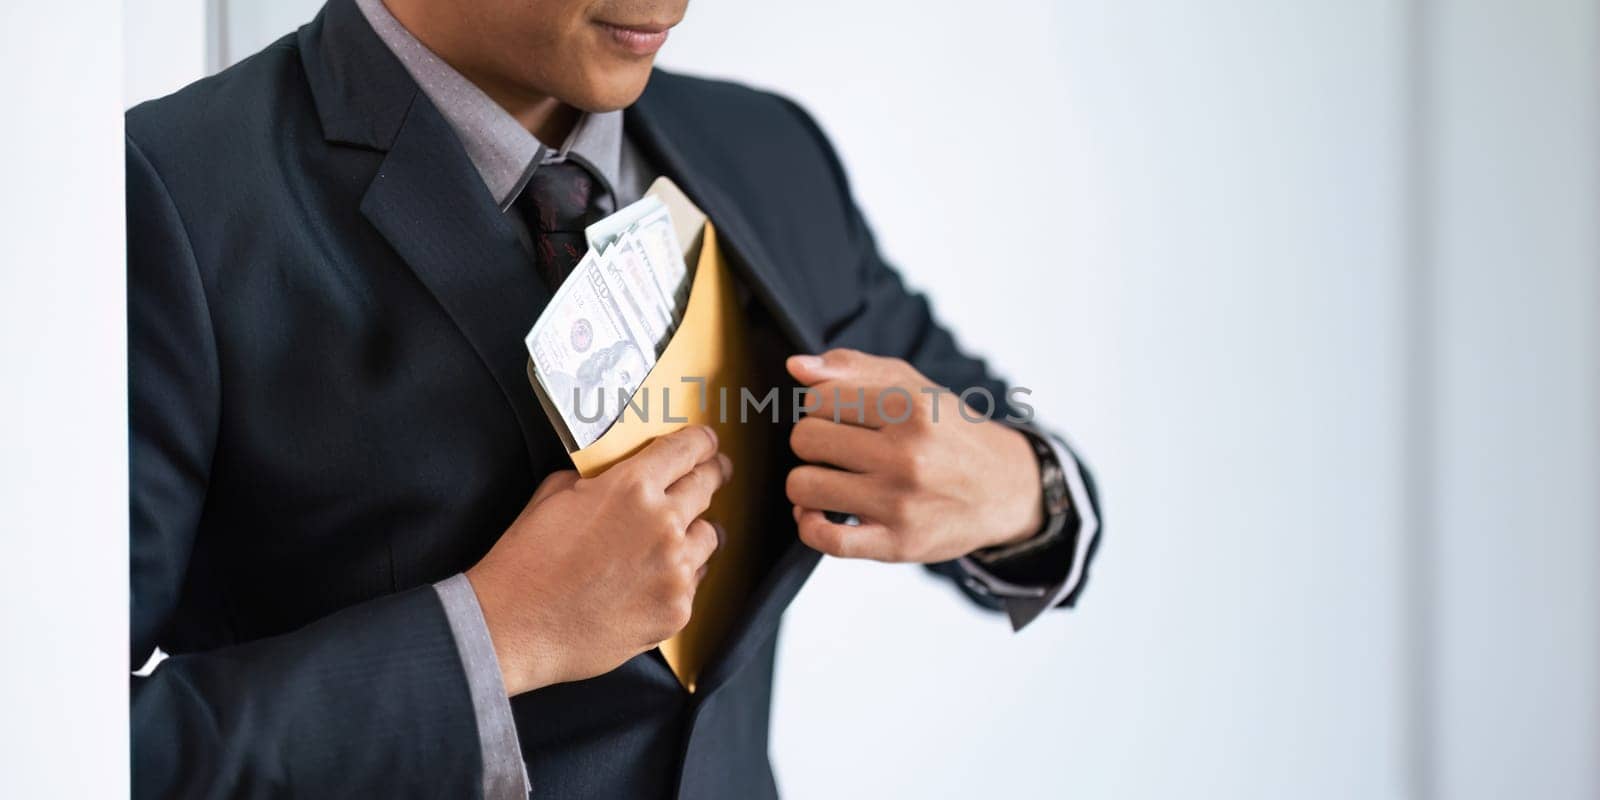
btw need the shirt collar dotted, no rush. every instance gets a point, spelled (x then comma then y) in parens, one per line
(504, 153)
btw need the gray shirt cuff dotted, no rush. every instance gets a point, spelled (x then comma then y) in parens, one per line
(1024, 603)
(505, 776)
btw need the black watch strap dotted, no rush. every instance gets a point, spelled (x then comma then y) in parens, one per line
(1057, 504)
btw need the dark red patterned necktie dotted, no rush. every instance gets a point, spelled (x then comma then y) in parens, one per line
(559, 202)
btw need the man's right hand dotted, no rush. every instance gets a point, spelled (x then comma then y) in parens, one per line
(596, 570)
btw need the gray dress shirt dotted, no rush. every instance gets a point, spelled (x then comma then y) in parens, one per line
(506, 156)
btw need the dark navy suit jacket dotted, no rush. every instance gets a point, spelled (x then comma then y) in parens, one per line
(329, 411)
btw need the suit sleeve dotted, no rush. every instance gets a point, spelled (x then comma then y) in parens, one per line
(895, 321)
(369, 701)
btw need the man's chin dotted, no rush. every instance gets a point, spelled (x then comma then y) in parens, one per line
(615, 90)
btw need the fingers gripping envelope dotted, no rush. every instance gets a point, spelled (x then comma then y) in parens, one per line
(594, 346)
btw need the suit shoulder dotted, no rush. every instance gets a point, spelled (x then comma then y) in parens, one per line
(225, 110)
(724, 102)
(728, 96)
(763, 128)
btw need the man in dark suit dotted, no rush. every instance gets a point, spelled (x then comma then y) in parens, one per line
(354, 530)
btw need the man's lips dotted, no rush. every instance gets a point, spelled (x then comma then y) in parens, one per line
(640, 40)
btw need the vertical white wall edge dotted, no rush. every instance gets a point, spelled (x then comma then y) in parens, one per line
(1514, 197)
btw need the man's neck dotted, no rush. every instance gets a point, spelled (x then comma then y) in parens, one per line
(548, 119)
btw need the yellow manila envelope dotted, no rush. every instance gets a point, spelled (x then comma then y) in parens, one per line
(710, 348)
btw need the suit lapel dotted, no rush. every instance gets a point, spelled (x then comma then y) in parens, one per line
(430, 204)
(652, 125)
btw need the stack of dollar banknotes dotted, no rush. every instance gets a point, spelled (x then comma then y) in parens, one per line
(609, 321)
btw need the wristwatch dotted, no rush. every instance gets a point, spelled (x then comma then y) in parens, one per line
(1057, 504)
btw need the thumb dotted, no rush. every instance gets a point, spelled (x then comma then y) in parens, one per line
(807, 369)
(837, 363)
(844, 363)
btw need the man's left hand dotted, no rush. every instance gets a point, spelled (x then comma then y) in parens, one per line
(889, 446)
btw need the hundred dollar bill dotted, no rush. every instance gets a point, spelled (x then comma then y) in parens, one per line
(649, 222)
(658, 239)
(612, 286)
(601, 235)
(585, 352)
(628, 271)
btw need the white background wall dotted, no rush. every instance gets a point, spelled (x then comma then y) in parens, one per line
(166, 42)
(1195, 257)
(1312, 285)
(63, 453)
